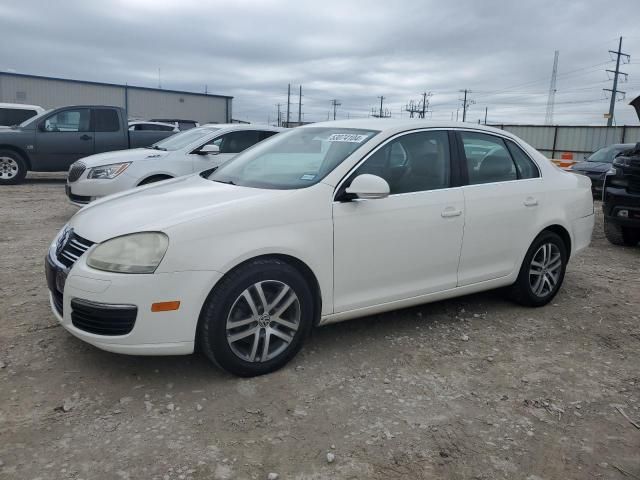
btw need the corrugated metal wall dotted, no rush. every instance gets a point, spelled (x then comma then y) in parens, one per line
(577, 140)
(142, 103)
(159, 104)
(57, 93)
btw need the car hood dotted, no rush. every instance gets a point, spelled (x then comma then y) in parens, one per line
(598, 167)
(160, 206)
(118, 156)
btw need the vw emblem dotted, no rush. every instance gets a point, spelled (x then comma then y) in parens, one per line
(62, 240)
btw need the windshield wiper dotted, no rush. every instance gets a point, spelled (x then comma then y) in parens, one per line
(227, 182)
(155, 147)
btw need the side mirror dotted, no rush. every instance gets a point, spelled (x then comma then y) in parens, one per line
(368, 187)
(209, 150)
(41, 127)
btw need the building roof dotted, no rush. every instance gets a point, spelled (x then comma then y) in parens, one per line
(104, 84)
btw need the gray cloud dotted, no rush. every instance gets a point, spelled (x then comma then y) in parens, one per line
(350, 50)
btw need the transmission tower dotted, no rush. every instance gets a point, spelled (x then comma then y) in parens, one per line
(551, 101)
(614, 91)
(383, 112)
(420, 107)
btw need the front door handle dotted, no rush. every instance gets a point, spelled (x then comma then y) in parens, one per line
(451, 212)
(530, 202)
(85, 137)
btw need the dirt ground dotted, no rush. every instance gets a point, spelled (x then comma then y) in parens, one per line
(472, 388)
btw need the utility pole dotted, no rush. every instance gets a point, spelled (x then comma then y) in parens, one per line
(465, 104)
(485, 114)
(278, 114)
(288, 103)
(381, 99)
(159, 82)
(551, 100)
(614, 91)
(300, 107)
(335, 103)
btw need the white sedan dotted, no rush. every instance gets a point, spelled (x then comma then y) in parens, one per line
(187, 152)
(321, 224)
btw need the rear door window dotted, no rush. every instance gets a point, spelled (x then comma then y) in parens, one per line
(105, 120)
(488, 159)
(14, 116)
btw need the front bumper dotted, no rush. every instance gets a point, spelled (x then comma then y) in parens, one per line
(153, 333)
(84, 190)
(616, 199)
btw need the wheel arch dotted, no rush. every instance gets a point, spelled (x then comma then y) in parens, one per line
(158, 176)
(295, 262)
(563, 233)
(20, 152)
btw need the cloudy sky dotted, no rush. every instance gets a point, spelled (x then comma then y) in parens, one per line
(353, 51)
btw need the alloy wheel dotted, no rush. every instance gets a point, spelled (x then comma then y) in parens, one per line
(263, 321)
(545, 269)
(8, 168)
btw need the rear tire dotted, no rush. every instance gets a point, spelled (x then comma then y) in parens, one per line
(13, 168)
(257, 318)
(542, 271)
(619, 235)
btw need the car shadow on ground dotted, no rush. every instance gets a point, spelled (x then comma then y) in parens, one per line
(323, 344)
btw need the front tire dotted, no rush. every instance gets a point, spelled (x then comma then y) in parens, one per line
(542, 271)
(619, 235)
(13, 168)
(257, 318)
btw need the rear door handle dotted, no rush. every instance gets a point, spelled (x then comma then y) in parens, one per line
(85, 137)
(530, 202)
(451, 212)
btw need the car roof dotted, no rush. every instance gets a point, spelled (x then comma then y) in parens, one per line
(399, 125)
(172, 120)
(21, 106)
(242, 126)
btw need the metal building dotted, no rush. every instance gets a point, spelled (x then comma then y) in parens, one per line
(140, 102)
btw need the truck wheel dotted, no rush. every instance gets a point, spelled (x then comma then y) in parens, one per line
(619, 235)
(13, 168)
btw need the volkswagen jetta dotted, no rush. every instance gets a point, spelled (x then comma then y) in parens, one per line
(321, 224)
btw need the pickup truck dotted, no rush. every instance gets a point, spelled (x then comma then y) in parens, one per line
(53, 140)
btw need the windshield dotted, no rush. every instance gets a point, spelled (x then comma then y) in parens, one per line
(296, 159)
(34, 119)
(606, 154)
(182, 139)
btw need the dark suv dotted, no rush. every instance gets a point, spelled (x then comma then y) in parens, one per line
(621, 199)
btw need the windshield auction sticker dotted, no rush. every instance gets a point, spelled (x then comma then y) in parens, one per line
(347, 137)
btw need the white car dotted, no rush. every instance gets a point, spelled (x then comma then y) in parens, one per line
(16, 113)
(324, 223)
(146, 126)
(184, 153)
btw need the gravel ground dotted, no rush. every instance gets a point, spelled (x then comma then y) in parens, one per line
(472, 388)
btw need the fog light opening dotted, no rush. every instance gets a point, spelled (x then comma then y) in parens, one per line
(623, 213)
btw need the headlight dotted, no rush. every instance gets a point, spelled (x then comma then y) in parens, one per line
(134, 253)
(108, 172)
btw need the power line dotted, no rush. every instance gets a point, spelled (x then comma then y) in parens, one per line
(335, 103)
(466, 103)
(614, 91)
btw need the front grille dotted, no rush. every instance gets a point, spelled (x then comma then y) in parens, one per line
(103, 319)
(76, 170)
(73, 249)
(634, 185)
